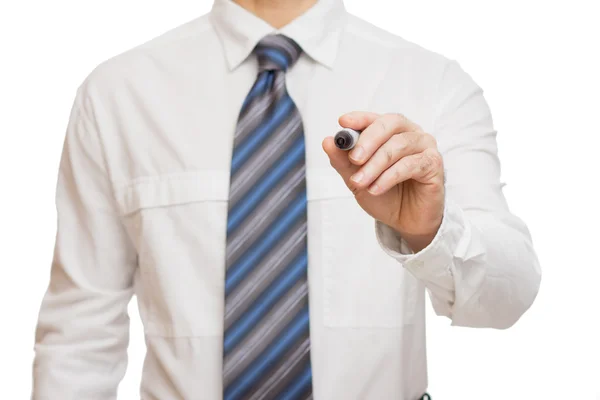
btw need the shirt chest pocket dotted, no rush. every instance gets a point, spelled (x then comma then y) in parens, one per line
(362, 285)
(178, 225)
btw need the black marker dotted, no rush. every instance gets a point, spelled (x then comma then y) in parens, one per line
(346, 138)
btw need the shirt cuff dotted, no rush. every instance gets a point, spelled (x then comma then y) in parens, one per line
(438, 255)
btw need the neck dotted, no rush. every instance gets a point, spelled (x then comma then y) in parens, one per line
(277, 13)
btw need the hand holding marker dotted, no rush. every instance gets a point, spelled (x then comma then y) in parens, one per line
(346, 138)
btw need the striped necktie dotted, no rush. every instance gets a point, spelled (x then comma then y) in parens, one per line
(266, 337)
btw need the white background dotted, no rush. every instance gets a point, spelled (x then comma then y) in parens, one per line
(538, 62)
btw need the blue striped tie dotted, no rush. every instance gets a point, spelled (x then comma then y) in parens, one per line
(266, 340)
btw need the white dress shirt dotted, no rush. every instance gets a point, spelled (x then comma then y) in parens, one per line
(142, 209)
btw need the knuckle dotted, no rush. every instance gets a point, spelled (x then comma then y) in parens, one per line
(429, 140)
(400, 118)
(410, 163)
(411, 138)
(437, 157)
(432, 159)
(403, 142)
(399, 143)
(397, 174)
(425, 164)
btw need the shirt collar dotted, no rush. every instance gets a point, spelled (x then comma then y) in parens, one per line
(317, 31)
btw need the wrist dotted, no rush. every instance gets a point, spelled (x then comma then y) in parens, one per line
(417, 241)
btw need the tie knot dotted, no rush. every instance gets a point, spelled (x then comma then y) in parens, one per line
(277, 52)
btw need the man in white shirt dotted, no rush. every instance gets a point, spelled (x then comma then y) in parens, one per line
(199, 173)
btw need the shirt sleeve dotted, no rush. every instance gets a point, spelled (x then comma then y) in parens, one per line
(83, 326)
(480, 269)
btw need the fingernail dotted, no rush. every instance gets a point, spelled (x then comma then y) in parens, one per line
(374, 189)
(357, 177)
(358, 153)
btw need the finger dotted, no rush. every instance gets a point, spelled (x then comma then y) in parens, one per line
(358, 120)
(394, 149)
(379, 132)
(339, 159)
(424, 167)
